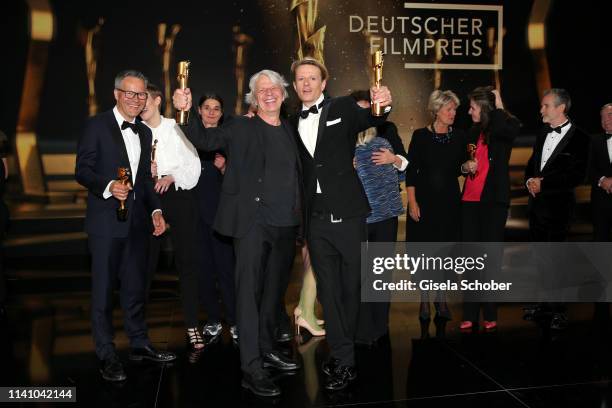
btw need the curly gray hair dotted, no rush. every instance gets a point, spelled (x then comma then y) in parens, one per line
(276, 78)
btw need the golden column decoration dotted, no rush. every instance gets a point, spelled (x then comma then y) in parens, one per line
(41, 24)
(536, 33)
(241, 43)
(310, 40)
(91, 63)
(165, 41)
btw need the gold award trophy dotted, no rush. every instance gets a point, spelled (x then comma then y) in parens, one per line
(153, 150)
(182, 117)
(377, 69)
(123, 173)
(471, 149)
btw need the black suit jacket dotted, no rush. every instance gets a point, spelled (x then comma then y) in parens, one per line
(341, 119)
(599, 165)
(100, 151)
(564, 171)
(504, 129)
(243, 183)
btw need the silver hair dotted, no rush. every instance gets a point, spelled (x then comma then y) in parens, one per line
(366, 136)
(276, 78)
(130, 73)
(562, 97)
(606, 106)
(438, 99)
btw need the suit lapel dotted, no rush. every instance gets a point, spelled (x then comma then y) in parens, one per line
(142, 160)
(117, 137)
(322, 125)
(559, 148)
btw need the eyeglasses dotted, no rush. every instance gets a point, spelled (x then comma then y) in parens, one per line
(264, 91)
(131, 94)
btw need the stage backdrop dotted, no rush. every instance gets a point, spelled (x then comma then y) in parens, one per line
(519, 46)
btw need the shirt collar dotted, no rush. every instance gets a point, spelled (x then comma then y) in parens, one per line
(120, 119)
(317, 102)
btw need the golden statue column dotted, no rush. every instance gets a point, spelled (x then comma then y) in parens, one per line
(536, 33)
(241, 43)
(91, 64)
(310, 41)
(166, 44)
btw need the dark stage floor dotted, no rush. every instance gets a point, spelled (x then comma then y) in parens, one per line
(46, 340)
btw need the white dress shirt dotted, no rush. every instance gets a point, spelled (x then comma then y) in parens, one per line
(308, 129)
(609, 144)
(175, 155)
(552, 140)
(132, 145)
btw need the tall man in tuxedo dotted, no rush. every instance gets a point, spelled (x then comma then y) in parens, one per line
(335, 206)
(600, 176)
(556, 167)
(259, 207)
(119, 249)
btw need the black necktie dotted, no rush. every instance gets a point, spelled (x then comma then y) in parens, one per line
(313, 109)
(132, 126)
(556, 129)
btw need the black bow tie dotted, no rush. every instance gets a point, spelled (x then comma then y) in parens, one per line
(550, 129)
(608, 136)
(313, 109)
(132, 126)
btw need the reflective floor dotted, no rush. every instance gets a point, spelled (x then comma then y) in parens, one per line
(46, 340)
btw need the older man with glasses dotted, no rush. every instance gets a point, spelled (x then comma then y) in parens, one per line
(119, 245)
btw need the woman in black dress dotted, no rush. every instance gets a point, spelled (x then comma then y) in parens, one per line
(217, 250)
(435, 155)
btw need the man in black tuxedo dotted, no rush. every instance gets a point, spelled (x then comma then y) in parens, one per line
(600, 176)
(556, 167)
(335, 206)
(260, 207)
(119, 249)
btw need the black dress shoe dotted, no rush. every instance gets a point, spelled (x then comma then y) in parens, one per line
(341, 378)
(112, 369)
(279, 361)
(149, 353)
(284, 335)
(330, 366)
(558, 321)
(260, 384)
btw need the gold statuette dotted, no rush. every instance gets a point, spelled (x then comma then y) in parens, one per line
(377, 70)
(123, 174)
(182, 117)
(153, 151)
(471, 149)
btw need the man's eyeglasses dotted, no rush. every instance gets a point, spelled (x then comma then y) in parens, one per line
(131, 94)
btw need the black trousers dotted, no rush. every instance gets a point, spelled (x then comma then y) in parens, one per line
(263, 257)
(373, 320)
(180, 212)
(335, 251)
(602, 220)
(602, 232)
(550, 223)
(118, 262)
(217, 274)
(482, 222)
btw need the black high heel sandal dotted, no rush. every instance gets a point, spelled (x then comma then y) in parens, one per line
(195, 339)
